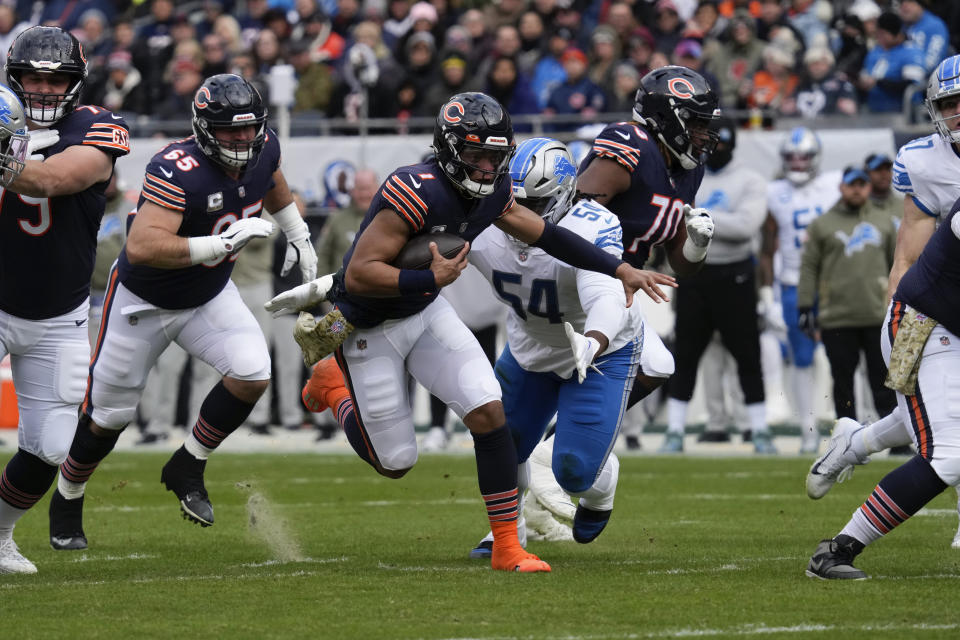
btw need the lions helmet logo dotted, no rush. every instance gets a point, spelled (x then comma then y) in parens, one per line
(563, 169)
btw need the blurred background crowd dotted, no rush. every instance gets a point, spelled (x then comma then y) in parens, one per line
(570, 59)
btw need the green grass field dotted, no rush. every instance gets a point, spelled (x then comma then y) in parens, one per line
(701, 547)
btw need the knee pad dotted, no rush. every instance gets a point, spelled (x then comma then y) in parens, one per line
(573, 473)
(113, 408)
(655, 360)
(59, 427)
(399, 460)
(249, 357)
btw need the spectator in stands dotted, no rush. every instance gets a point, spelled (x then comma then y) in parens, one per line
(531, 41)
(668, 28)
(729, 8)
(10, 24)
(453, 80)
(735, 61)
(212, 9)
(185, 78)
(348, 16)
(890, 67)
(620, 18)
(228, 29)
(842, 290)
(123, 90)
(423, 18)
(94, 34)
(421, 64)
(926, 31)
(879, 168)
(578, 94)
(496, 14)
(251, 19)
(822, 89)
(153, 49)
(775, 84)
(66, 13)
(214, 55)
(481, 39)
(397, 24)
(688, 53)
(266, 50)
(182, 31)
(276, 21)
(850, 46)
(549, 73)
(773, 16)
(506, 43)
(314, 80)
(867, 12)
(325, 44)
(245, 66)
(604, 55)
(705, 22)
(639, 49)
(623, 91)
(810, 18)
(511, 89)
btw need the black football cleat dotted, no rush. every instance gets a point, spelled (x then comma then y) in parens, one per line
(66, 523)
(589, 523)
(183, 474)
(833, 560)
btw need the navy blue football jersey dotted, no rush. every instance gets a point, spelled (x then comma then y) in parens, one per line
(48, 245)
(932, 284)
(180, 177)
(651, 210)
(427, 202)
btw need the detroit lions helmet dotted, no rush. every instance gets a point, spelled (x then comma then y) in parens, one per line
(13, 136)
(223, 101)
(471, 128)
(944, 83)
(800, 154)
(678, 105)
(544, 177)
(47, 50)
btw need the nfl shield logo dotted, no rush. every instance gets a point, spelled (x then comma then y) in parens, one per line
(215, 201)
(944, 340)
(361, 344)
(241, 191)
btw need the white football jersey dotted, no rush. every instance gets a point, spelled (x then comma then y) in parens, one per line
(794, 208)
(927, 170)
(543, 292)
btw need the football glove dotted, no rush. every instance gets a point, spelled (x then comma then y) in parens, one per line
(300, 251)
(771, 312)
(243, 231)
(584, 349)
(317, 340)
(807, 322)
(699, 233)
(41, 139)
(303, 296)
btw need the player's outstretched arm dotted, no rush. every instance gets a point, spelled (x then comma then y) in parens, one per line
(301, 297)
(71, 171)
(153, 239)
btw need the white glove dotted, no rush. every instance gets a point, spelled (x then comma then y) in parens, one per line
(584, 349)
(772, 313)
(41, 139)
(304, 296)
(301, 252)
(243, 231)
(699, 225)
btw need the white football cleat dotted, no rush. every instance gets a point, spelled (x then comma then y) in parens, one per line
(12, 561)
(836, 464)
(543, 484)
(435, 441)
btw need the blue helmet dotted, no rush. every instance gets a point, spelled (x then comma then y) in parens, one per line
(944, 83)
(800, 153)
(544, 177)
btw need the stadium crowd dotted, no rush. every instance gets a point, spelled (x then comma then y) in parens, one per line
(400, 59)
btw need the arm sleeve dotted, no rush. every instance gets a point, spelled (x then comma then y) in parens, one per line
(566, 246)
(602, 298)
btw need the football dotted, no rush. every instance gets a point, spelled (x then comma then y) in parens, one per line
(416, 253)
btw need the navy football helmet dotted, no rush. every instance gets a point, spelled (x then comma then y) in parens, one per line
(47, 50)
(544, 177)
(679, 107)
(472, 128)
(223, 101)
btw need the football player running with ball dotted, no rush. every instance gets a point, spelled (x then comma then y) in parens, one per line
(49, 219)
(200, 204)
(402, 327)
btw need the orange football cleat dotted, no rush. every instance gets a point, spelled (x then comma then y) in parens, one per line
(516, 558)
(325, 388)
